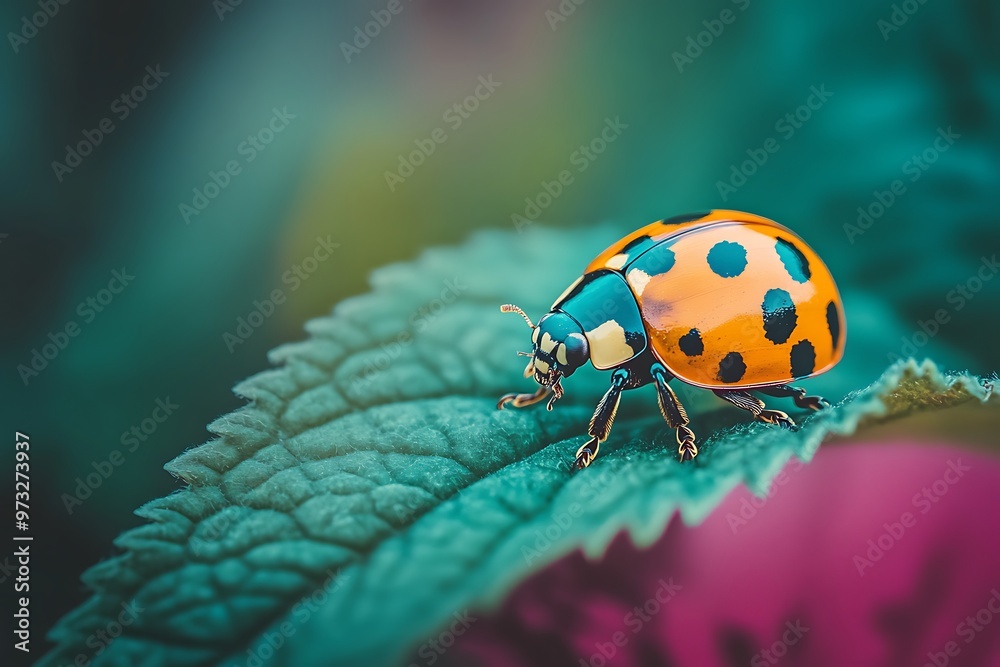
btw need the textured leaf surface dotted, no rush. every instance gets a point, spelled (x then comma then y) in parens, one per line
(371, 490)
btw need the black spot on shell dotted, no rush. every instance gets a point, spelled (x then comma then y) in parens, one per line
(636, 243)
(685, 217)
(780, 317)
(803, 358)
(727, 259)
(833, 323)
(691, 343)
(732, 368)
(795, 262)
(657, 261)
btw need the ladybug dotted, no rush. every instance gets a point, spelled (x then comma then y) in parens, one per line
(725, 300)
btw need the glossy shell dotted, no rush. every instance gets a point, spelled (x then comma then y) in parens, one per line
(731, 300)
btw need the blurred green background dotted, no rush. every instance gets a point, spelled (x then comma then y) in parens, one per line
(801, 112)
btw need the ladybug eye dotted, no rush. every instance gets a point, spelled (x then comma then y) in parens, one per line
(576, 348)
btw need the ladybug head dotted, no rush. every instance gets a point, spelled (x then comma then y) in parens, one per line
(559, 346)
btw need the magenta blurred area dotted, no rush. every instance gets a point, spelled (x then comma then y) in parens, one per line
(880, 554)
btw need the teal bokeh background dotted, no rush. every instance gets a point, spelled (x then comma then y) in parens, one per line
(690, 123)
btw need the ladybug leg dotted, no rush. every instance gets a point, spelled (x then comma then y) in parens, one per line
(523, 400)
(674, 413)
(798, 394)
(600, 423)
(755, 406)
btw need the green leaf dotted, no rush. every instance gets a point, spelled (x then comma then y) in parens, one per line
(371, 490)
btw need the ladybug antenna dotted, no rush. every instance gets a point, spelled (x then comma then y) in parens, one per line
(511, 308)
